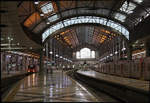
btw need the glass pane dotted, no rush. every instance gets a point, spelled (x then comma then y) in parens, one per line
(86, 19)
(93, 54)
(128, 9)
(120, 17)
(53, 18)
(47, 8)
(85, 53)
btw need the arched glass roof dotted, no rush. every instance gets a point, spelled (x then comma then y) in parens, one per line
(46, 17)
(86, 19)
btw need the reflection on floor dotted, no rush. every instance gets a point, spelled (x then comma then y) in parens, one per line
(56, 87)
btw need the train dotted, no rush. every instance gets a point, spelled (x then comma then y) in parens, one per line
(32, 69)
(137, 69)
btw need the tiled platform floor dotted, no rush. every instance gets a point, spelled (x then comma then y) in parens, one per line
(56, 87)
(138, 84)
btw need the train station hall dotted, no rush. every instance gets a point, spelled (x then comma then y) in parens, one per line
(75, 51)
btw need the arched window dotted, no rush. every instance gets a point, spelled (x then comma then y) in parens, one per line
(77, 54)
(93, 54)
(85, 53)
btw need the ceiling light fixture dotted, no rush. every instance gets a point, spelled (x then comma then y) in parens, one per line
(41, 14)
(36, 2)
(51, 52)
(48, 23)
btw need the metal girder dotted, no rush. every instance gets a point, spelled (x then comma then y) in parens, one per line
(73, 36)
(59, 12)
(76, 4)
(20, 3)
(58, 6)
(80, 14)
(65, 28)
(112, 8)
(84, 44)
(141, 30)
(37, 10)
(27, 13)
(139, 6)
(86, 15)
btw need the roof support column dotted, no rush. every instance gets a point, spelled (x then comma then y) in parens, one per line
(147, 47)
(41, 61)
(129, 52)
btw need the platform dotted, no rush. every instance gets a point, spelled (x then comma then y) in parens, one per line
(133, 83)
(56, 87)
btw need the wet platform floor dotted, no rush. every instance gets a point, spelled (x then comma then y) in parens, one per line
(56, 87)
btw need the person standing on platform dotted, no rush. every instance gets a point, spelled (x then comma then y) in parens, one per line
(51, 69)
(8, 68)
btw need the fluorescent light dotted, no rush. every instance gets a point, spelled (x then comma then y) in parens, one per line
(36, 2)
(51, 52)
(111, 54)
(138, 1)
(47, 23)
(41, 14)
(123, 49)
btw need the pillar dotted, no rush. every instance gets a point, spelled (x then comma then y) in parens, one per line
(129, 52)
(41, 60)
(147, 48)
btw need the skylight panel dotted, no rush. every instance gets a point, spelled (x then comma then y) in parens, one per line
(53, 18)
(138, 1)
(109, 24)
(104, 22)
(67, 22)
(47, 8)
(87, 19)
(128, 8)
(120, 17)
